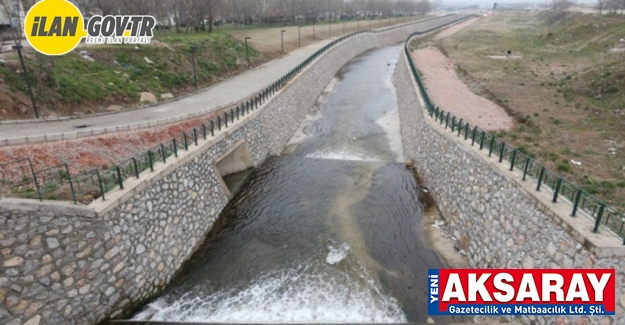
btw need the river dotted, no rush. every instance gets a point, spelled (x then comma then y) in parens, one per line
(330, 231)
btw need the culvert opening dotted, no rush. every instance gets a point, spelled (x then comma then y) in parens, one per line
(234, 168)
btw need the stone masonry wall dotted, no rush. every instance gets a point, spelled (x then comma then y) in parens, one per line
(495, 222)
(64, 264)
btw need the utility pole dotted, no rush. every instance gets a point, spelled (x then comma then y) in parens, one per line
(193, 50)
(247, 52)
(19, 48)
(282, 39)
(329, 28)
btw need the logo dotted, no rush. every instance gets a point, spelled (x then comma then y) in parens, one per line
(56, 27)
(510, 292)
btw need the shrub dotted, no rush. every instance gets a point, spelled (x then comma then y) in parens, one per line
(564, 166)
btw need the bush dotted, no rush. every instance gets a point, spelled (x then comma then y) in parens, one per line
(564, 166)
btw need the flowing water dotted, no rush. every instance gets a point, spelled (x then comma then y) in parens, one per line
(329, 232)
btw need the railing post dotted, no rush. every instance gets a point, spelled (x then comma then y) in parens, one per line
(226, 119)
(119, 178)
(502, 151)
(540, 178)
(482, 139)
(204, 131)
(446, 120)
(195, 135)
(186, 141)
(213, 128)
(71, 185)
(557, 191)
(32, 171)
(175, 147)
(473, 135)
(527, 164)
(232, 115)
(513, 159)
(599, 216)
(578, 196)
(492, 144)
(163, 153)
(466, 131)
(151, 160)
(101, 186)
(219, 122)
(136, 165)
(459, 127)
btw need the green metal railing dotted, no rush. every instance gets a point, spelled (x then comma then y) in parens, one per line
(19, 178)
(577, 197)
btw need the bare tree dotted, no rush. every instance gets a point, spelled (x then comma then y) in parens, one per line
(13, 12)
(561, 5)
(105, 7)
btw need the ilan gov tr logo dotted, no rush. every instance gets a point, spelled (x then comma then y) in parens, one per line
(56, 27)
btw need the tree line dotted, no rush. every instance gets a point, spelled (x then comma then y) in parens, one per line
(205, 14)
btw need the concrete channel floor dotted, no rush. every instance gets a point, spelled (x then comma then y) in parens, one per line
(226, 92)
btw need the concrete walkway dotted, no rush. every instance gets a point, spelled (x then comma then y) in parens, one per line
(216, 97)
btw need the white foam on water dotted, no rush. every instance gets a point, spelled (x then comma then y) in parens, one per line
(342, 155)
(337, 253)
(291, 296)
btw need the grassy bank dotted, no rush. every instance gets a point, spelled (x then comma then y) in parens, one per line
(564, 84)
(117, 74)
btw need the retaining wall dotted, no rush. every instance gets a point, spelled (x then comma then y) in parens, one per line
(69, 264)
(496, 219)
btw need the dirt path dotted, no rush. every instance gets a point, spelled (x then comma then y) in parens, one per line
(269, 40)
(455, 28)
(452, 95)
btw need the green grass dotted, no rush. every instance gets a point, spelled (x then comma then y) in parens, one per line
(120, 71)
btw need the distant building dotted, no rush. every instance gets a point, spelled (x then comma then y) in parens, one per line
(12, 16)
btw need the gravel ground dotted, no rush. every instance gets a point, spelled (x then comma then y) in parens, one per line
(103, 151)
(452, 95)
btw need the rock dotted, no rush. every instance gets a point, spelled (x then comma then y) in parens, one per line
(140, 249)
(148, 98)
(147, 60)
(167, 96)
(409, 163)
(52, 243)
(84, 289)
(33, 321)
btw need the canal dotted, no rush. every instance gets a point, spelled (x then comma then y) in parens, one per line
(329, 231)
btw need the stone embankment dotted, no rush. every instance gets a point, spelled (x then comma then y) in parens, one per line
(498, 220)
(69, 264)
